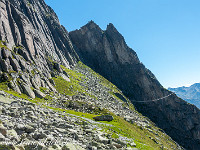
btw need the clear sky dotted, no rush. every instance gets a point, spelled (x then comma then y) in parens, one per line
(164, 33)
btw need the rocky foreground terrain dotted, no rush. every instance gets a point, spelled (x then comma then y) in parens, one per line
(68, 122)
(49, 99)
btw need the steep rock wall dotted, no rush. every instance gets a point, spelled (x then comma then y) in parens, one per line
(33, 45)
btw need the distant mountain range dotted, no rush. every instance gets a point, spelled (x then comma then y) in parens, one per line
(190, 94)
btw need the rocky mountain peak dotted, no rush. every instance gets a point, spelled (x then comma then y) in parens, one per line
(108, 54)
(91, 26)
(111, 28)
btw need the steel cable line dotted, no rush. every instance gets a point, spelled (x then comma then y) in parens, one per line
(146, 101)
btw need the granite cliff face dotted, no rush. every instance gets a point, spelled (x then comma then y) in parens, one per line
(107, 53)
(33, 26)
(190, 94)
(32, 45)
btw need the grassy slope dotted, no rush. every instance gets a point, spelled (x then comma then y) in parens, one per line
(119, 126)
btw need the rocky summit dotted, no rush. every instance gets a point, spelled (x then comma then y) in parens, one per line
(51, 99)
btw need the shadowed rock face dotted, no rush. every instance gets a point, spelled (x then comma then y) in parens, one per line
(107, 53)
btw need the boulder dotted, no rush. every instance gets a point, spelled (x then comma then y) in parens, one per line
(24, 54)
(57, 67)
(29, 129)
(132, 144)
(34, 83)
(123, 143)
(12, 134)
(37, 136)
(103, 118)
(1, 109)
(102, 139)
(39, 94)
(3, 130)
(65, 77)
(2, 137)
(24, 128)
(22, 64)
(5, 65)
(14, 63)
(37, 80)
(14, 86)
(50, 85)
(6, 53)
(27, 90)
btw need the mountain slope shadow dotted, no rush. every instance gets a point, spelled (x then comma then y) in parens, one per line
(107, 53)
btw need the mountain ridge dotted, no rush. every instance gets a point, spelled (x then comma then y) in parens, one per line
(118, 63)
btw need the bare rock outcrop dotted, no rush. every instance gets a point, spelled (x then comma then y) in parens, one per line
(33, 45)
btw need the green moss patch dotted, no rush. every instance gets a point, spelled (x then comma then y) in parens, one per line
(67, 88)
(2, 45)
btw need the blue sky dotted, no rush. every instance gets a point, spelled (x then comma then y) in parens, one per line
(164, 33)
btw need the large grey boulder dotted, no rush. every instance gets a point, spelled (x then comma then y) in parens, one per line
(102, 139)
(51, 87)
(65, 77)
(20, 128)
(103, 118)
(3, 130)
(39, 135)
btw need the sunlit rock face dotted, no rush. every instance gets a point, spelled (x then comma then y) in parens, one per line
(33, 46)
(34, 26)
